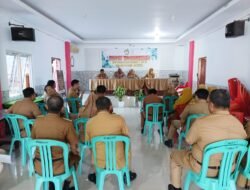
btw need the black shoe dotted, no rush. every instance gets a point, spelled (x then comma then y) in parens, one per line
(66, 186)
(92, 178)
(51, 186)
(171, 187)
(132, 176)
(142, 131)
(169, 143)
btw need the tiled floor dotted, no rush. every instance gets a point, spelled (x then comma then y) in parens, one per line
(151, 162)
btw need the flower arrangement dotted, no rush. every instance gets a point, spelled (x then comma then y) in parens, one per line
(120, 92)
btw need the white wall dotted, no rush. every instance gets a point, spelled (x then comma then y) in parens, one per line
(41, 51)
(226, 58)
(170, 57)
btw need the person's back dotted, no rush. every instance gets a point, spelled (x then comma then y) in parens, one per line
(26, 107)
(105, 124)
(53, 127)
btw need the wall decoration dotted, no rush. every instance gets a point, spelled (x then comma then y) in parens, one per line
(129, 57)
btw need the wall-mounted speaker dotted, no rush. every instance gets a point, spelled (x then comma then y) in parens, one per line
(22, 34)
(235, 29)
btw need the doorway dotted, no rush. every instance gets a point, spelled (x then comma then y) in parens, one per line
(201, 75)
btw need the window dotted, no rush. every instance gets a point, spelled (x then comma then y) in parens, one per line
(19, 73)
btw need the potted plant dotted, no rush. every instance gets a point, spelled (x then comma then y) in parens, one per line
(119, 93)
(139, 95)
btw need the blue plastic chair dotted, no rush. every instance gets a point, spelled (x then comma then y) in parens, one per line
(42, 108)
(142, 99)
(81, 122)
(66, 112)
(45, 149)
(183, 134)
(232, 151)
(110, 157)
(169, 106)
(74, 104)
(245, 171)
(156, 115)
(13, 122)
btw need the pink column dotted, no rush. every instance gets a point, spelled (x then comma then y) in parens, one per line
(191, 63)
(68, 64)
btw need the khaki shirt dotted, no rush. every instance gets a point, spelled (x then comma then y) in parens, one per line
(50, 92)
(53, 127)
(89, 109)
(212, 128)
(105, 123)
(199, 107)
(27, 108)
(102, 76)
(73, 93)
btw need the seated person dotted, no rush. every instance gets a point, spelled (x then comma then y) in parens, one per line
(184, 98)
(119, 74)
(89, 109)
(50, 90)
(170, 91)
(53, 127)
(106, 123)
(26, 107)
(199, 107)
(102, 75)
(149, 99)
(74, 91)
(132, 74)
(219, 125)
(150, 74)
(242, 181)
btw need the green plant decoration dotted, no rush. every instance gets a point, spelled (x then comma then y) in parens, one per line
(139, 95)
(120, 92)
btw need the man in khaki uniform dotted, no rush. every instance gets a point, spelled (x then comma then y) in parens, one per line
(26, 107)
(102, 75)
(149, 99)
(200, 106)
(53, 127)
(106, 123)
(74, 92)
(217, 126)
(89, 109)
(50, 90)
(242, 181)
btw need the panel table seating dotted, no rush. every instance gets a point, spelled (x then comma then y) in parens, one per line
(226, 179)
(13, 122)
(78, 123)
(74, 104)
(45, 149)
(157, 119)
(110, 166)
(183, 134)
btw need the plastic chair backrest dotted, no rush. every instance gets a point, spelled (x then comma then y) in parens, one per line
(45, 149)
(157, 111)
(42, 108)
(66, 112)
(246, 170)
(169, 103)
(80, 121)
(232, 151)
(13, 122)
(74, 104)
(190, 119)
(110, 150)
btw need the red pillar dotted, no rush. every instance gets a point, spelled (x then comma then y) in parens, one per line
(68, 64)
(191, 63)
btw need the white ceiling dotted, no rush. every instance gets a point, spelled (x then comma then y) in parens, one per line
(95, 20)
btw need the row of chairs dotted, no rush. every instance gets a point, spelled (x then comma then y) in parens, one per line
(44, 146)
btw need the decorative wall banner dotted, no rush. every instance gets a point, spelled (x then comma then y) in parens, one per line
(132, 57)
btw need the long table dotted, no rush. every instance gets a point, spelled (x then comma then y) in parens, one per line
(130, 84)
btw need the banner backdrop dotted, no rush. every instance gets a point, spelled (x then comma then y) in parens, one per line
(132, 57)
